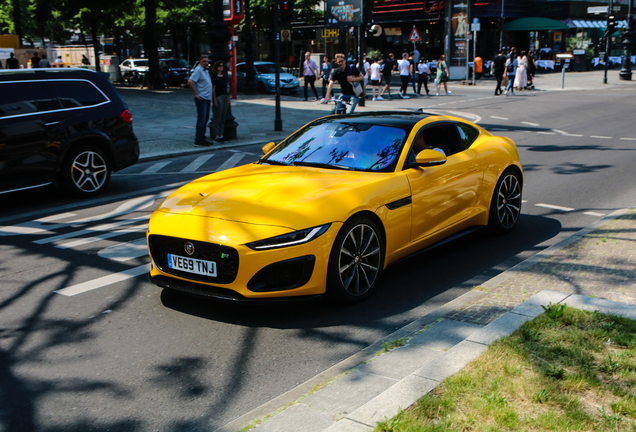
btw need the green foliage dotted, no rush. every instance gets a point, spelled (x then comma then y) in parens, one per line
(554, 311)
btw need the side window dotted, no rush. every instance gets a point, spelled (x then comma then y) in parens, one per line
(443, 136)
(46, 99)
(75, 94)
(17, 99)
(126, 63)
(467, 134)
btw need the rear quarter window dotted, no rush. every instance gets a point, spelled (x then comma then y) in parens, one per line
(76, 93)
(17, 99)
(467, 135)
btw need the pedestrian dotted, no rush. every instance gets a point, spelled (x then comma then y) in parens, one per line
(350, 57)
(499, 67)
(326, 73)
(344, 75)
(415, 56)
(12, 62)
(406, 72)
(222, 100)
(58, 60)
(442, 75)
(422, 76)
(374, 74)
(310, 71)
(85, 60)
(35, 61)
(521, 77)
(511, 70)
(532, 67)
(44, 63)
(201, 85)
(365, 71)
(387, 70)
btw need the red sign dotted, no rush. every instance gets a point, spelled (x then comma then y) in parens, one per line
(233, 11)
(415, 36)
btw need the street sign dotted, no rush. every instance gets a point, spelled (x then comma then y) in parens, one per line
(415, 36)
(475, 27)
(285, 35)
(601, 9)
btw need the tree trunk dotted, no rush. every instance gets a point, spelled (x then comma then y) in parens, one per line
(95, 45)
(150, 42)
(17, 20)
(175, 43)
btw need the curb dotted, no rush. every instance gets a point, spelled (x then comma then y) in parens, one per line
(504, 325)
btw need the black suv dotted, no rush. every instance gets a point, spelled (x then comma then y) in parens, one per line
(62, 125)
(174, 72)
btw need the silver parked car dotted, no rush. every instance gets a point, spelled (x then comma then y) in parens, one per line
(266, 78)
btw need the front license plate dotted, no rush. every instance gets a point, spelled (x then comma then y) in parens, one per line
(192, 265)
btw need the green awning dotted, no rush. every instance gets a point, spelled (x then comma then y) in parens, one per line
(534, 24)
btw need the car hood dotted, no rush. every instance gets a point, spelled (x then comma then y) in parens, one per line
(290, 197)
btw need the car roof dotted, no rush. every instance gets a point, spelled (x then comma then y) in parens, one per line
(10, 74)
(402, 119)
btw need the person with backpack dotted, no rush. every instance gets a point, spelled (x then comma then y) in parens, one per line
(511, 71)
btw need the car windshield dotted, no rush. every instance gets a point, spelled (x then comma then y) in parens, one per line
(342, 144)
(181, 63)
(141, 62)
(267, 69)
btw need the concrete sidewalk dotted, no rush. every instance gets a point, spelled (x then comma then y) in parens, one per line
(164, 120)
(595, 269)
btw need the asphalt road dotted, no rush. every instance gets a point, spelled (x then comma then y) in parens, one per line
(124, 356)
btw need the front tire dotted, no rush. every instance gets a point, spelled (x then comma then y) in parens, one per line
(505, 207)
(356, 261)
(85, 171)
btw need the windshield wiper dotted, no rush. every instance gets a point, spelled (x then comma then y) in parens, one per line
(272, 162)
(323, 165)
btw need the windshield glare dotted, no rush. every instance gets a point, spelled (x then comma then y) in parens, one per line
(267, 69)
(358, 146)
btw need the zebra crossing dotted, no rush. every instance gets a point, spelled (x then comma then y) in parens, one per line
(202, 164)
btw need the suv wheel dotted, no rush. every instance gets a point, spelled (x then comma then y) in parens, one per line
(85, 171)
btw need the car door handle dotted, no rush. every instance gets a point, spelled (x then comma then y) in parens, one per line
(51, 124)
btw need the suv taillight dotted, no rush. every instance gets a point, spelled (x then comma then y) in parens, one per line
(126, 116)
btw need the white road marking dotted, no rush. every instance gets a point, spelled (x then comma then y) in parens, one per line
(125, 251)
(104, 236)
(470, 116)
(600, 137)
(154, 168)
(99, 228)
(531, 124)
(498, 129)
(55, 217)
(196, 164)
(566, 134)
(500, 118)
(129, 206)
(104, 281)
(547, 133)
(232, 161)
(36, 227)
(628, 139)
(594, 214)
(554, 207)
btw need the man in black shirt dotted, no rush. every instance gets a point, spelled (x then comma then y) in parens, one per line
(35, 61)
(389, 66)
(499, 65)
(12, 62)
(345, 75)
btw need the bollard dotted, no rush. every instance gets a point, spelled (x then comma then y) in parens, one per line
(563, 76)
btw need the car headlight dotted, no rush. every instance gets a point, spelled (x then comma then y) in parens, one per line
(291, 239)
(271, 80)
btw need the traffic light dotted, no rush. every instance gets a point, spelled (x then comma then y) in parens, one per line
(611, 25)
(286, 13)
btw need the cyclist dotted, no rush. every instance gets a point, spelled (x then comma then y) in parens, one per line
(345, 75)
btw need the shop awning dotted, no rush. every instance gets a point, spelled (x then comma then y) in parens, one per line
(534, 24)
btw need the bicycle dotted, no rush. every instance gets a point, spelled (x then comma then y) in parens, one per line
(341, 104)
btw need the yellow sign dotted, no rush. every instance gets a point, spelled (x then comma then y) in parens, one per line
(393, 31)
(330, 33)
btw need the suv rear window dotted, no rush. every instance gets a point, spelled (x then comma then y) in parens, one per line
(17, 98)
(75, 93)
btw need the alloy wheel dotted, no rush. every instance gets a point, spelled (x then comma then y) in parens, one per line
(509, 201)
(359, 260)
(89, 171)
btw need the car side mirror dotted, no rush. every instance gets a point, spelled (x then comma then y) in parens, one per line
(427, 158)
(268, 147)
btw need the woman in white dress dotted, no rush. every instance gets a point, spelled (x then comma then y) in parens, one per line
(521, 78)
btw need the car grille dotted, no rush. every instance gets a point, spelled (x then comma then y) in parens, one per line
(286, 81)
(226, 258)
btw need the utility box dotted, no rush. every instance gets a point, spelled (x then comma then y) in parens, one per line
(110, 65)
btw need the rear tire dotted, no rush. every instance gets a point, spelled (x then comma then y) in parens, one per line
(356, 261)
(505, 207)
(85, 171)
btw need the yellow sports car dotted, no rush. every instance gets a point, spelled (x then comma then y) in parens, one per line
(328, 208)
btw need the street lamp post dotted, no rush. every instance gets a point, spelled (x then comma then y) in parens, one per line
(628, 35)
(502, 25)
(278, 121)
